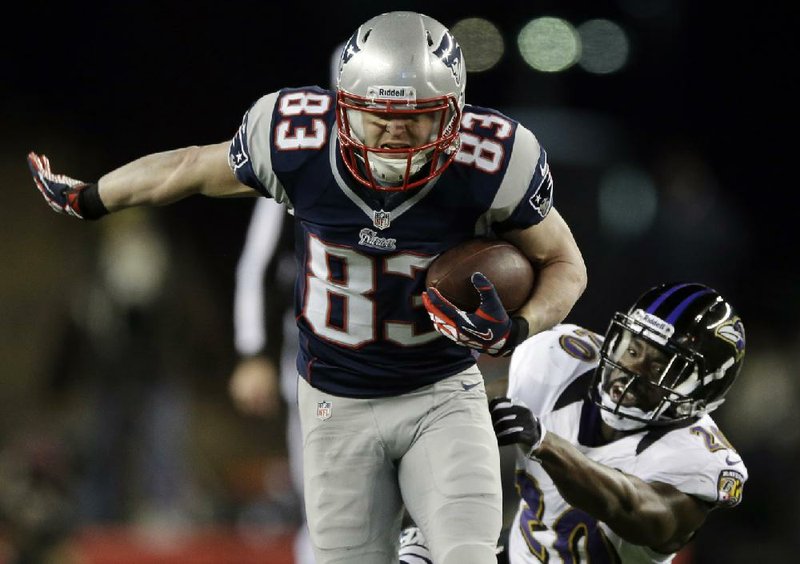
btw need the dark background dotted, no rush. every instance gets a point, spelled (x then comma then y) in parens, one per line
(94, 85)
(138, 77)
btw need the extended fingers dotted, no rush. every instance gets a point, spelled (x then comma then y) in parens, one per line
(34, 164)
(481, 282)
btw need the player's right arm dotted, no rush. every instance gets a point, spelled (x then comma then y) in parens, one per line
(652, 514)
(166, 177)
(152, 180)
(646, 513)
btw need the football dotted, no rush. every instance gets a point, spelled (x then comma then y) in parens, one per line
(509, 270)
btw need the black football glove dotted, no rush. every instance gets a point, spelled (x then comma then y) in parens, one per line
(488, 329)
(514, 423)
(62, 193)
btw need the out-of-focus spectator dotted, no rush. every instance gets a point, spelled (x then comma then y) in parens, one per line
(37, 516)
(132, 343)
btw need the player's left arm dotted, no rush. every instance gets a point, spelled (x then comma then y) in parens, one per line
(561, 272)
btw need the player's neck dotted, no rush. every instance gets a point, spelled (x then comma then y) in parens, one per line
(610, 434)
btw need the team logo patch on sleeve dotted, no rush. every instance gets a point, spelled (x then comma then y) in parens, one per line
(237, 154)
(729, 488)
(542, 199)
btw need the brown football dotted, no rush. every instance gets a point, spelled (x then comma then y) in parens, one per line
(509, 270)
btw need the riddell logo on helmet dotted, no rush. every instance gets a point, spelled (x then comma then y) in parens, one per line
(654, 324)
(393, 92)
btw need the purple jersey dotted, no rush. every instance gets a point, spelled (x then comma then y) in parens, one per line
(362, 256)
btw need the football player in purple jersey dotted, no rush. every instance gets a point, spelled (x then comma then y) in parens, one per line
(381, 175)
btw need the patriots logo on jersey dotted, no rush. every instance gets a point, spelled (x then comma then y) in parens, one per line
(449, 52)
(237, 154)
(542, 199)
(370, 238)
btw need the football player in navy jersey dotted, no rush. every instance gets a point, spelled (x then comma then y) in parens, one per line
(619, 459)
(381, 176)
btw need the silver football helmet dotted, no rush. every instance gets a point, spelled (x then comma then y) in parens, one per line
(400, 70)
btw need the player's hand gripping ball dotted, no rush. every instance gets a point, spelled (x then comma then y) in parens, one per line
(488, 329)
(466, 306)
(501, 262)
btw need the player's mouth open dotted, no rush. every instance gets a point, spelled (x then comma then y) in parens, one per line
(395, 146)
(617, 390)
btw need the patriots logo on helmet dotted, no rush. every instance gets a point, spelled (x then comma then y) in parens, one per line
(350, 48)
(732, 331)
(449, 52)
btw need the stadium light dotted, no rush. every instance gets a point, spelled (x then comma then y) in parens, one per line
(549, 44)
(627, 201)
(605, 46)
(481, 42)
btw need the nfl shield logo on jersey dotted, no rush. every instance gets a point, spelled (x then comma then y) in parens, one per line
(323, 410)
(382, 219)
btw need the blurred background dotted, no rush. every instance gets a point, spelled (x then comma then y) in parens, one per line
(669, 130)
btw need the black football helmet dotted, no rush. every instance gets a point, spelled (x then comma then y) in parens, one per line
(672, 356)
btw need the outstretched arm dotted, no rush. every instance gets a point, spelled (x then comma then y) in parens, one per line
(162, 178)
(153, 180)
(652, 514)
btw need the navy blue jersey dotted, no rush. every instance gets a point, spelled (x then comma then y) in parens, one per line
(362, 256)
